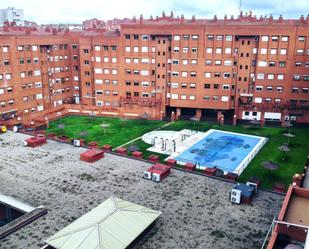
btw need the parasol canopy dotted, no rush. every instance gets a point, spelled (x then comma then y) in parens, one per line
(270, 165)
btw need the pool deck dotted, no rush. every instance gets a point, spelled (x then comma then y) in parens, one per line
(187, 144)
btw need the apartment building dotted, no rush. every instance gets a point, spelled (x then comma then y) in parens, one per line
(12, 15)
(237, 68)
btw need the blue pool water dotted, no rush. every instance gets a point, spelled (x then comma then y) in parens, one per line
(220, 149)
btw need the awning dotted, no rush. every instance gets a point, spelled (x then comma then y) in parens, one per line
(9, 111)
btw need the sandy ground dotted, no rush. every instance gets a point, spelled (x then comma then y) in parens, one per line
(196, 209)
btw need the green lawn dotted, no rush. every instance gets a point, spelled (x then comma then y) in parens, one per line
(121, 131)
(118, 132)
(293, 163)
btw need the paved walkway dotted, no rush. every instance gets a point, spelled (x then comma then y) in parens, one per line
(133, 140)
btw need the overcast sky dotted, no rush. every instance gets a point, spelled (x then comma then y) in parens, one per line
(75, 11)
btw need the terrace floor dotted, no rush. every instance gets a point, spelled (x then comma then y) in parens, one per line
(298, 211)
(196, 210)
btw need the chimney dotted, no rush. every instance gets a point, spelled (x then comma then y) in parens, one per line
(172, 14)
(141, 19)
(134, 19)
(241, 14)
(302, 19)
(163, 14)
(55, 31)
(225, 17)
(193, 18)
(151, 18)
(182, 19)
(280, 19)
(232, 18)
(307, 19)
(215, 18)
(271, 18)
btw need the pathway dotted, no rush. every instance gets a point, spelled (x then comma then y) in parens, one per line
(133, 140)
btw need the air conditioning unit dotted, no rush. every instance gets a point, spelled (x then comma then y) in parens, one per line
(147, 175)
(155, 177)
(235, 196)
(254, 185)
(76, 142)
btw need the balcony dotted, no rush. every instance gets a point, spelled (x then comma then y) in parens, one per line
(149, 102)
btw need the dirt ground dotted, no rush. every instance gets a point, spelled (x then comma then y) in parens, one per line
(196, 210)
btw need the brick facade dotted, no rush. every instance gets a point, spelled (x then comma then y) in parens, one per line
(249, 67)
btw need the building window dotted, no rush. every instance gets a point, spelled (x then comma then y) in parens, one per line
(285, 38)
(207, 86)
(207, 75)
(176, 37)
(229, 38)
(186, 37)
(263, 50)
(194, 37)
(208, 62)
(274, 38)
(299, 51)
(218, 62)
(296, 77)
(282, 63)
(218, 50)
(265, 38)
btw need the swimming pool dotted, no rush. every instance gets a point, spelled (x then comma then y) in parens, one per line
(228, 151)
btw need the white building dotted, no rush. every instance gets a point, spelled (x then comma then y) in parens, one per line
(12, 15)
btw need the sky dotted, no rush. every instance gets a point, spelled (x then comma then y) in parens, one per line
(75, 11)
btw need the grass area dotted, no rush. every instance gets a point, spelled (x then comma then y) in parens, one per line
(121, 131)
(293, 163)
(118, 132)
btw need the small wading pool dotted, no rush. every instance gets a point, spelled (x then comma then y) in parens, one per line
(228, 151)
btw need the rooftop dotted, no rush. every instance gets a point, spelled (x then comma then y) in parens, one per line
(196, 211)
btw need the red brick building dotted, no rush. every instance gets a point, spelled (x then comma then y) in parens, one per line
(254, 68)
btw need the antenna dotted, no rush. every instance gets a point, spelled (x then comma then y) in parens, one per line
(239, 5)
